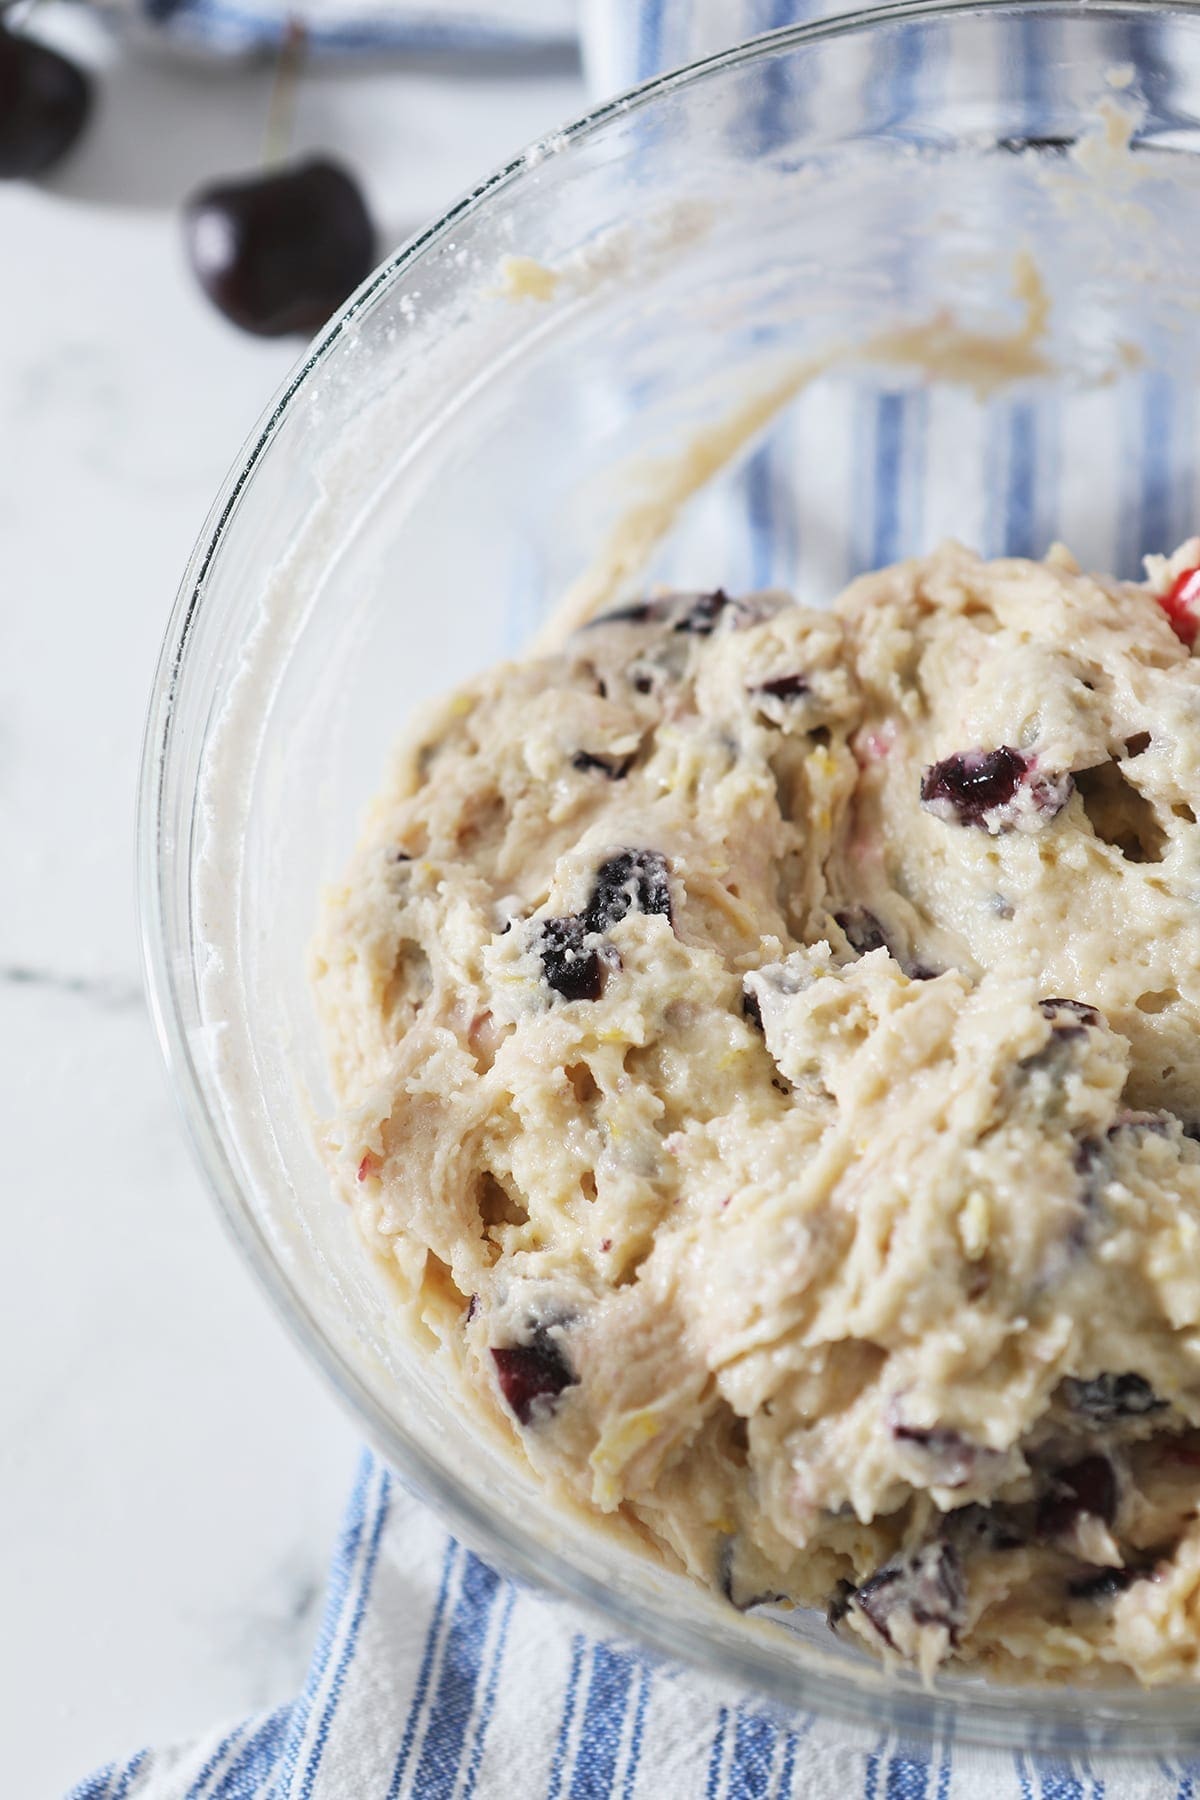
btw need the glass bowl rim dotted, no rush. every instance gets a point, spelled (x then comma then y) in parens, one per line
(982, 1715)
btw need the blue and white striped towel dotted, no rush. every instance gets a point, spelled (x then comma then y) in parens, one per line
(357, 28)
(433, 1677)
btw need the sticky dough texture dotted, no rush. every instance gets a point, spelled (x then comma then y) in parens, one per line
(706, 1075)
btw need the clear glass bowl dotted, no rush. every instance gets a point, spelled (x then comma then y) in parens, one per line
(459, 446)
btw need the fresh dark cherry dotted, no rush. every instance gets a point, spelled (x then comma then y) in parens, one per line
(615, 768)
(1093, 1155)
(784, 687)
(927, 1584)
(878, 1597)
(1142, 1124)
(985, 1528)
(1065, 1043)
(974, 782)
(704, 614)
(696, 614)
(532, 1373)
(44, 105)
(1108, 1398)
(1090, 1159)
(631, 879)
(839, 1604)
(279, 252)
(1089, 1486)
(1105, 1584)
(1093, 1163)
(953, 1458)
(734, 1589)
(1181, 604)
(638, 612)
(862, 930)
(572, 969)
(1069, 1016)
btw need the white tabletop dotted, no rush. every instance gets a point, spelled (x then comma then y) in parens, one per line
(172, 1469)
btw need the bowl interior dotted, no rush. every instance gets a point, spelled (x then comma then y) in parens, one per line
(808, 309)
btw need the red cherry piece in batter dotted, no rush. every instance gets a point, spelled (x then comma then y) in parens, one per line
(1181, 603)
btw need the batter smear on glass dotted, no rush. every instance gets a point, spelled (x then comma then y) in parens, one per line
(767, 1045)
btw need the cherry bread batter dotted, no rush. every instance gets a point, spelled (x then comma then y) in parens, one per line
(766, 1045)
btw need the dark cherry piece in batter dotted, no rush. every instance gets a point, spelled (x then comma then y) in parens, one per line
(532, 1372)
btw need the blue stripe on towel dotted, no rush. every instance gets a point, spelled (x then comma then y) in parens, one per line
(1156, 512)
(361, 1597)
(649, 43)
(907, 1775)
(871, 1776)
(214, 1762)
(248, 1773)
(892, 85)
(890, 410)
(717, 1755)
(899, 423)
(128, 1774)
(345, 1560)
(645, 1676)
(754, 562)
(239, 29)
(605, 1712)
(774, 115)
(1058, 1782)
(458, 1679)
(871, 1769)
(791, 1746)
(488, 1704)
(757, 489)
(94, 1786)
(554, 1787)
(1021, 529)
(1032, 64)
(1020, 526)
(755, 1741)
(433, 1638)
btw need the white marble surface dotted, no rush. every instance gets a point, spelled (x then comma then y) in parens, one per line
(171, 1471)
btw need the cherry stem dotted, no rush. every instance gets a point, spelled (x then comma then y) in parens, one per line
(281, 107)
